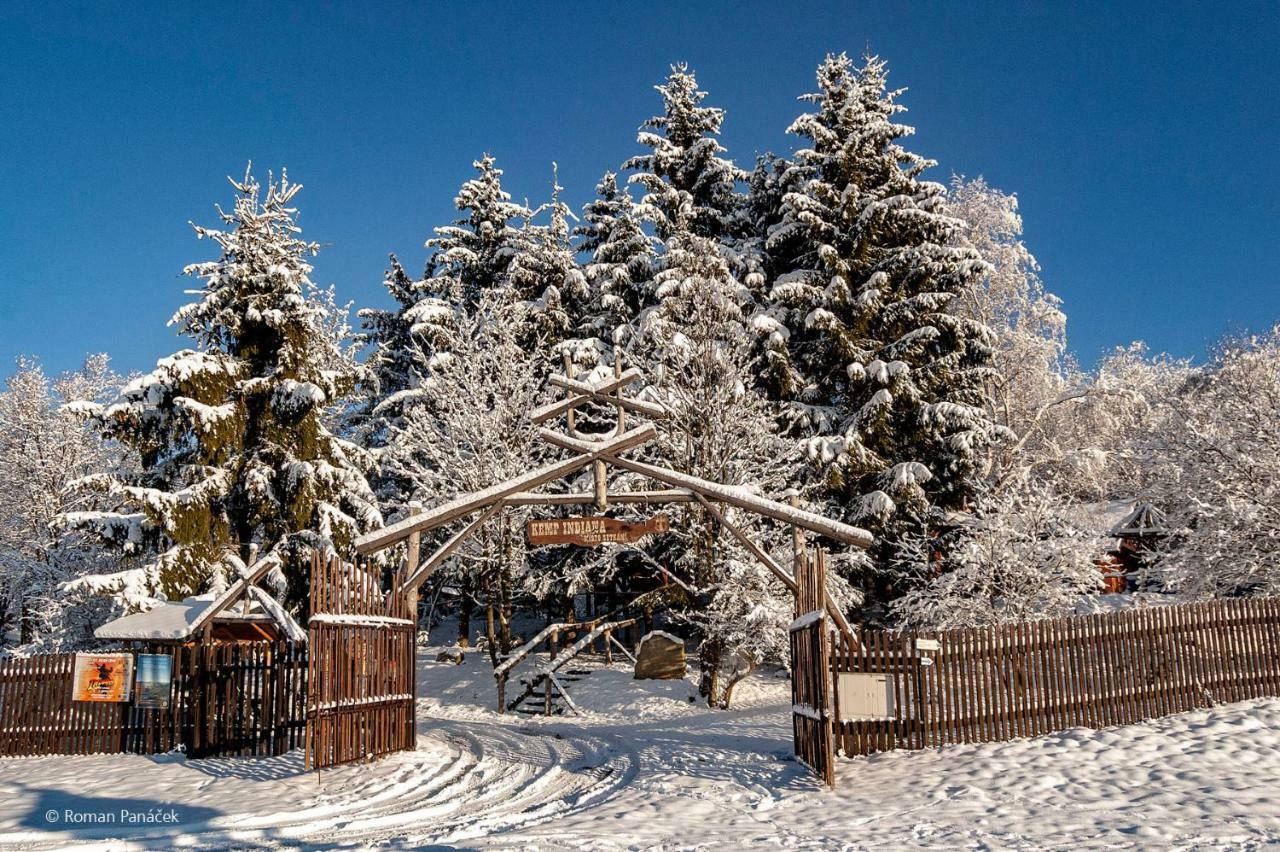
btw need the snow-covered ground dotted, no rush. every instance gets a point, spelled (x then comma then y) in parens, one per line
(645, 767)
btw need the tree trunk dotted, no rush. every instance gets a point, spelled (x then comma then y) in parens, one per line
(732, 682)
(710, 653)
(465, 607)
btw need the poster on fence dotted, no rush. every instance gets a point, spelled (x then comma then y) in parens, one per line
(102, 677)
(155, 675)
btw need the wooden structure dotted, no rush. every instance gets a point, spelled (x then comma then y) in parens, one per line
(244, 611)
(549, 678)
(362, 675)
(600, 455)
(1000, 683)
(226, 699)
(811, 671)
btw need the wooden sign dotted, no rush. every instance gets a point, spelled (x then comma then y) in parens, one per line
(588, 532)
(102, 677)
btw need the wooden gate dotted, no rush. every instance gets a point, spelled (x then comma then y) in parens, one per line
(361, 675)
(811, 670)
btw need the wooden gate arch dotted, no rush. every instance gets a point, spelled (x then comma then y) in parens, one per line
(600, 454)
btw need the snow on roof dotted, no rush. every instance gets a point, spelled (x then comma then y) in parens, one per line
(175, 621)
(1144, 519)
(1105, 516)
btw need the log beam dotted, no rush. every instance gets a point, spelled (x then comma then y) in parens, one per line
(415, 580)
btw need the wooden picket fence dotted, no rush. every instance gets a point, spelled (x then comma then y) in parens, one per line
(239, 698)
(1006, 682)
(362, 673)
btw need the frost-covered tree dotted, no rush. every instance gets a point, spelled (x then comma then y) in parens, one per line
(893, 371)
(1090, 441)
(1029, 325)
(468, 430)
(42, 451)
(619, 265)
(473, 254)
(722, 429)
(1215, 472)
(1021, 556)
(545, 275)
(688, 185)
(231, 440)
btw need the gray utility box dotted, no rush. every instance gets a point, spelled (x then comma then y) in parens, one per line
(865, 696)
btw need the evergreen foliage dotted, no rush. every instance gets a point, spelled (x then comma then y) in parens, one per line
(232, 445)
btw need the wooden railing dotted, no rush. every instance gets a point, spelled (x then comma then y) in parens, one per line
(596, 629)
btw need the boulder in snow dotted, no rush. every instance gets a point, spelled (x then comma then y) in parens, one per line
(661, 657)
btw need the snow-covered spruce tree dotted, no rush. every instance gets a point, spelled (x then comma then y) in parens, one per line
(767, 188)
(1022, 556)
(1029, 325)
(1215, 472)
(619, 268)
(468, 430)
(545, 275)
(721, 429)
(230, 437)
(893, 370)
(687, 183)
(42, 451)
(402, 342)
(473, 254)
(469, 258)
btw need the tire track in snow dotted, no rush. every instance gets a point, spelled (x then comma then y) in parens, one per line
(500, 778)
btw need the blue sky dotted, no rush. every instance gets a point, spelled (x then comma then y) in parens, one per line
(1142, 142)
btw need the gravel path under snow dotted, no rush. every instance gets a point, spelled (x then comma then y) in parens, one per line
(645, 768)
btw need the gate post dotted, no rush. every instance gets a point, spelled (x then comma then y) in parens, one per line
(811, 670)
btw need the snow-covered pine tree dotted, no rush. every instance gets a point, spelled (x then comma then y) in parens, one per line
(544, 274)
(620, 267)
(42, 451)
(473, 254)
(684, 176)
(233, 448)
(767, 188)
(894, 371)
(723, 429)
(469, 258)
(402, 342)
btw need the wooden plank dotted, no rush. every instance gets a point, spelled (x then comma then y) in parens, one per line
(421, 574)
(586, 498)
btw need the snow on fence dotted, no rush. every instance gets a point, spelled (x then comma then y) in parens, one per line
(1006, 682)
(226, 699)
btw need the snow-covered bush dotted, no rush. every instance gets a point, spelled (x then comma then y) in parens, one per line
(1215, 473)
(1021, 556)
(43, 450)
